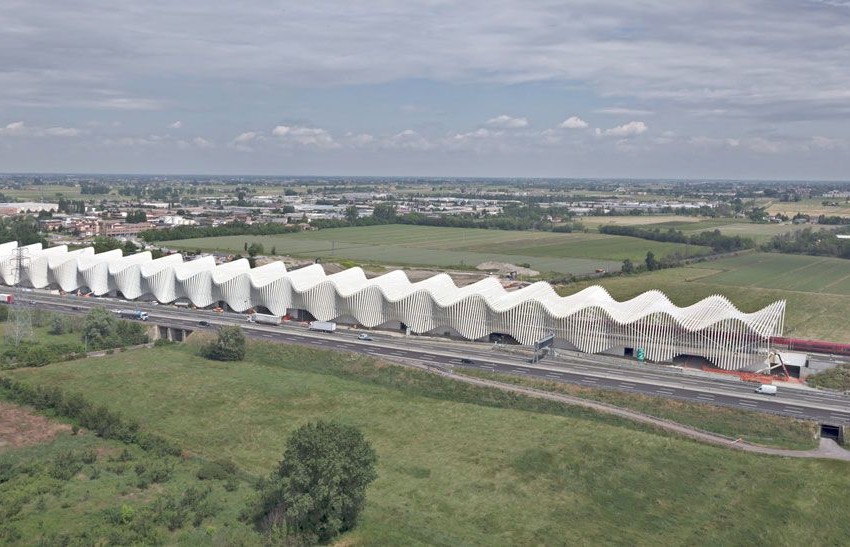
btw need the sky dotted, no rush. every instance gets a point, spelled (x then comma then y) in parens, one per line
(476, 88)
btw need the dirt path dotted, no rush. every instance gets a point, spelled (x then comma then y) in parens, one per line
(828, 448)
(22, 427)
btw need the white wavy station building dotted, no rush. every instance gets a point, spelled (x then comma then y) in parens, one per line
(589, 321)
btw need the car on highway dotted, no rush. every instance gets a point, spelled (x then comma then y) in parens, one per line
(76, 308)
(364, 336)
(466, 361)
(204, 323)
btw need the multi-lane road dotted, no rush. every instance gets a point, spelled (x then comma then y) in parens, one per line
(590, 371)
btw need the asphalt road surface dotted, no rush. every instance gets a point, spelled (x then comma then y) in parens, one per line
(584, 370)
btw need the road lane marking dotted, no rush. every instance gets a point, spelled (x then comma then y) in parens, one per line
(745, 403)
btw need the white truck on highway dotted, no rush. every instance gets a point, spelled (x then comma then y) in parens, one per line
(323, 326)
(264, 318)
(766, 389)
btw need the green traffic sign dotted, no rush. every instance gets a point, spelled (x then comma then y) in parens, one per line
(640, 354)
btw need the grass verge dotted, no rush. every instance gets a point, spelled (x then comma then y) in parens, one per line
(754, 427)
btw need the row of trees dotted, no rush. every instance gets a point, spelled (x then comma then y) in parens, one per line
(232, 229)
(811, 242)
(514, 217)
(718, 242)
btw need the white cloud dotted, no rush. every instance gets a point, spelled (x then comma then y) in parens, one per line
(573, 122)
(244, 141)
(13, 128)
(507, 122)
(827, 143)
(626, 130)
(201, 142)
(408, 140)
(304, 136)
(176, 125)
(477, 134)
(19, 129)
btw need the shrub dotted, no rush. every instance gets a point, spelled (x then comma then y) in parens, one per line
(228, 346)
(218, 470)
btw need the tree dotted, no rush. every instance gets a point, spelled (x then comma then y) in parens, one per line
(229, 346)
(255, 249)
(628, 266)
(384, 213)
(351, 214)
(99, 327)
(651, 262)
(319, 488)
(102, 244)
(57, 325)
(129, 248)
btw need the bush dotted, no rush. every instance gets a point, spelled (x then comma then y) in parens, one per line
(218, 470)
(229, 346)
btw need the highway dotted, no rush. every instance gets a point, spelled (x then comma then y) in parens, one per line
(585, 370)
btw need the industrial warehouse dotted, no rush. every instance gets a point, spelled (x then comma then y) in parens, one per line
(591, 321)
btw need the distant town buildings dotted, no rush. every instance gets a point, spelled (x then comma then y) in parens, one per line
(26, 206)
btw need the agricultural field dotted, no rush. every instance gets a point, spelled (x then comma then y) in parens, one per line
(466, 465)
(50, 192)
(758, 232)
(594, 222)
(812, 207)
(817, 289)
(576, 253)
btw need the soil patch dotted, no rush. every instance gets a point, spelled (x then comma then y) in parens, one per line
(505, 268)
(22, 427)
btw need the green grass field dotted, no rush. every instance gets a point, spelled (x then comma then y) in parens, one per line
(471, 473)
(817, 289)
(577, 253)
(758, 232)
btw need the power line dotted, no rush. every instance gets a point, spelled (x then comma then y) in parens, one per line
(21, 327)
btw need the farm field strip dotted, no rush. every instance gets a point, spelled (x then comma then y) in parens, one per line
(431, 246)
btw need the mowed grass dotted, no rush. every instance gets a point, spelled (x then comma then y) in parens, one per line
(817, 289)
(577, 253)
(453, 473)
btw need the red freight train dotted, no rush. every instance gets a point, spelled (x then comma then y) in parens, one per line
(816, 346)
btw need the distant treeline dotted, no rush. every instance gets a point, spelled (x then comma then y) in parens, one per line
(233, 229)
(513, 217)
(718, 242)
(811, 242)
